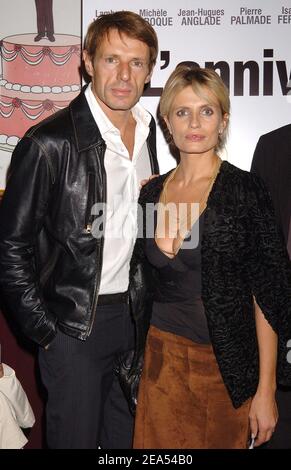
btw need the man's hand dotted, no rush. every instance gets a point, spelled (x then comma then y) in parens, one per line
(144, 182)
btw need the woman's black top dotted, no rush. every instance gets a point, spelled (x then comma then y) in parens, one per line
(178, 307)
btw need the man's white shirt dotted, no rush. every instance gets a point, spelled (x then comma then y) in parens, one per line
(123, 177)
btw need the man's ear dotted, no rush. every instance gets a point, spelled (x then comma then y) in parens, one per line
(149, 76)
(88, 63)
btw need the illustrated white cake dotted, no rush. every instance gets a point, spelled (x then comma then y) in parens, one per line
(37, 80)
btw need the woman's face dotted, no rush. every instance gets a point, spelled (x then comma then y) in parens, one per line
(195, 121)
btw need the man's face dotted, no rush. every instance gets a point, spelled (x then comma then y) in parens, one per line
(119, 71)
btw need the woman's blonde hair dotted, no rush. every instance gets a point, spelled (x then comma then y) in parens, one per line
(199, 79)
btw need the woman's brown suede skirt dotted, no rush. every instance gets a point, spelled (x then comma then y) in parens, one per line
(183, 402)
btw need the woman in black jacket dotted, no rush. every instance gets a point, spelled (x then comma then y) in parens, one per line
(220, 312)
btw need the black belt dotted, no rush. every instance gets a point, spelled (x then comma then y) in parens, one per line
(110, 299)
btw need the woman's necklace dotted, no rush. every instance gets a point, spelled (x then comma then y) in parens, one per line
(179, 220)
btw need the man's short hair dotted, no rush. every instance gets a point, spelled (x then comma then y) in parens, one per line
(125, 22)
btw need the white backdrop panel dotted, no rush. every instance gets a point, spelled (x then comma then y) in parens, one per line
(232, 33)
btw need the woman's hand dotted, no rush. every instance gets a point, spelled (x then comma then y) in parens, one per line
(263, 412)
(263, 417)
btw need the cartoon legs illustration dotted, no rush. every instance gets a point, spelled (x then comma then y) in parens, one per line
(45, 21)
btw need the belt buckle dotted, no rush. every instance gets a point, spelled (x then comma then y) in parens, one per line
(111, 299)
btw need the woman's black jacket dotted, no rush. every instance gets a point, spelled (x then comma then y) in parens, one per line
(243, 255)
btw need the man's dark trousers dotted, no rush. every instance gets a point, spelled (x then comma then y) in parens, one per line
(86, 407)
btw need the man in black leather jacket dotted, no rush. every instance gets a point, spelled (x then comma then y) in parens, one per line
(63, 276)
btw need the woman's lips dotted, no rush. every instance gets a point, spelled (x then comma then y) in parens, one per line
(195, 137)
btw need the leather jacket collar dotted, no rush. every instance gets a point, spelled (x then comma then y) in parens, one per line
(86, 131)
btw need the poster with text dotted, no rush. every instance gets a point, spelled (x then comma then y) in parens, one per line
(247, 43)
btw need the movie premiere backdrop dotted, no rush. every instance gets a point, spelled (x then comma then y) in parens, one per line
(248, 44)
(40, 47)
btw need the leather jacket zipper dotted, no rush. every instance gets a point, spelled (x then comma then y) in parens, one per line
(89, 218)
(99, 256)
(96, 290)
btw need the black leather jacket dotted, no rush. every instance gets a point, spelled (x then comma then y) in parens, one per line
(50, 264)
(243, 255)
